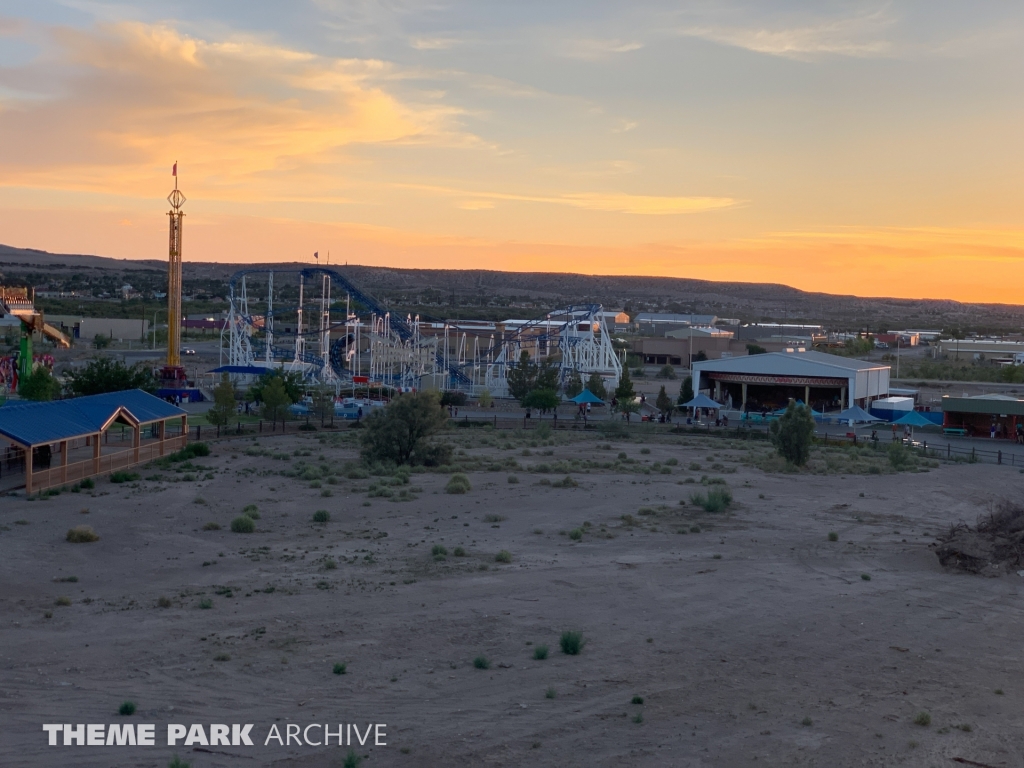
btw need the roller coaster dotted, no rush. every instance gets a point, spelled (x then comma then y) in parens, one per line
(371, 345)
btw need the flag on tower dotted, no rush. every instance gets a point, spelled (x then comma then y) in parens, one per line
(174, 168)
(316, 255)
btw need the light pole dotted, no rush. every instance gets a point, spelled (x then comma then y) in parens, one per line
(897, 357)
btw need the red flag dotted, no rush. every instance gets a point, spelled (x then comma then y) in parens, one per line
(174, 169)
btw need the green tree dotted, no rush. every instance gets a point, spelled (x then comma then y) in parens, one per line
(663, 402)
(453, 397)
(485, 398)
(625, 396)
(290, 380)
(624, 391)
(596, 385)
(106, 375)
(792, 433)
(547, 375)
(543, 400)
(574, 384)
(323, 403)
(399, 432)
(40, 385)
(628, 407)
(223, 403)
(522, 376)
(275, 399)
(756, 349)
(686, 390)
(100, 341)
(666, 372)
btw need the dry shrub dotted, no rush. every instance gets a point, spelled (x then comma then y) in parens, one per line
(82, 534)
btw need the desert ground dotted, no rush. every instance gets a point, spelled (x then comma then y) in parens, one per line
(749, 635)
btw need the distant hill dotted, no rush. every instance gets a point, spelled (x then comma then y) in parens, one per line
(406, 287)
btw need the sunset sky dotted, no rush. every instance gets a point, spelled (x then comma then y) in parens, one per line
(850, 147)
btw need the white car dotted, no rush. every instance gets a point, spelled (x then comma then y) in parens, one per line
(188, 351)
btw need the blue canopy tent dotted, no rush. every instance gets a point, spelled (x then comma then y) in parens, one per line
(586, 396)
(856, 414)
(914, 419)
(701, 401)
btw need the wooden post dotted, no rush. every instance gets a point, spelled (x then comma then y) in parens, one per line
(136, 442)
(184, 431)
(807, 396)
(28, 470)
(63, 461)
(96, 454)
(163, 435)
(743, 397)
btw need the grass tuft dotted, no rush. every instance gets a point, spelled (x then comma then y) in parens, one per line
(126, 709)
(715, 500)
(458, 483)
(923, 719)
(637, 700)
(540, 652)
(504, 556)
(243, 524)
(833, 536)
(571, 642)
(321, 516)
(482, 662)
(340, 669)
(211, 527)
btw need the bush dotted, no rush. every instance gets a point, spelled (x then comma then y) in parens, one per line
(82, 534)
(123, 477)
(923, 719)
(458, 483)
(576, 534)
(512, 479)
(126, 709)
(571, 642)
(243, 524)
(321, 516)
(206, 604)
(540, 652)
(163, 602)
(87, 484)
(211, 527)
(340, 669)
(504, 556)
(565, 482)
(715, 500)
(439, 552)
(399, 432)
(459, 552)
(177, 762)
(791, 434)
(482, 662)
(453, 398)
(833, 536)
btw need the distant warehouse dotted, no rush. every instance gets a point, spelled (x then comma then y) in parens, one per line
(769, 381)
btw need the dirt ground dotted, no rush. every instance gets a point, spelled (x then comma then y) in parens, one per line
(751, 637)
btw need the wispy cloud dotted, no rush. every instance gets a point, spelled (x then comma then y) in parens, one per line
(592, 50)
(859, 36)
(647, 205)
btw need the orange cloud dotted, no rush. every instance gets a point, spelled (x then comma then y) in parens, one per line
(247, 120)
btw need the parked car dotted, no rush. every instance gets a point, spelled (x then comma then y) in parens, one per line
(188, 351)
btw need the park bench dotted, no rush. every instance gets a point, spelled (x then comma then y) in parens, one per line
(954, 431)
